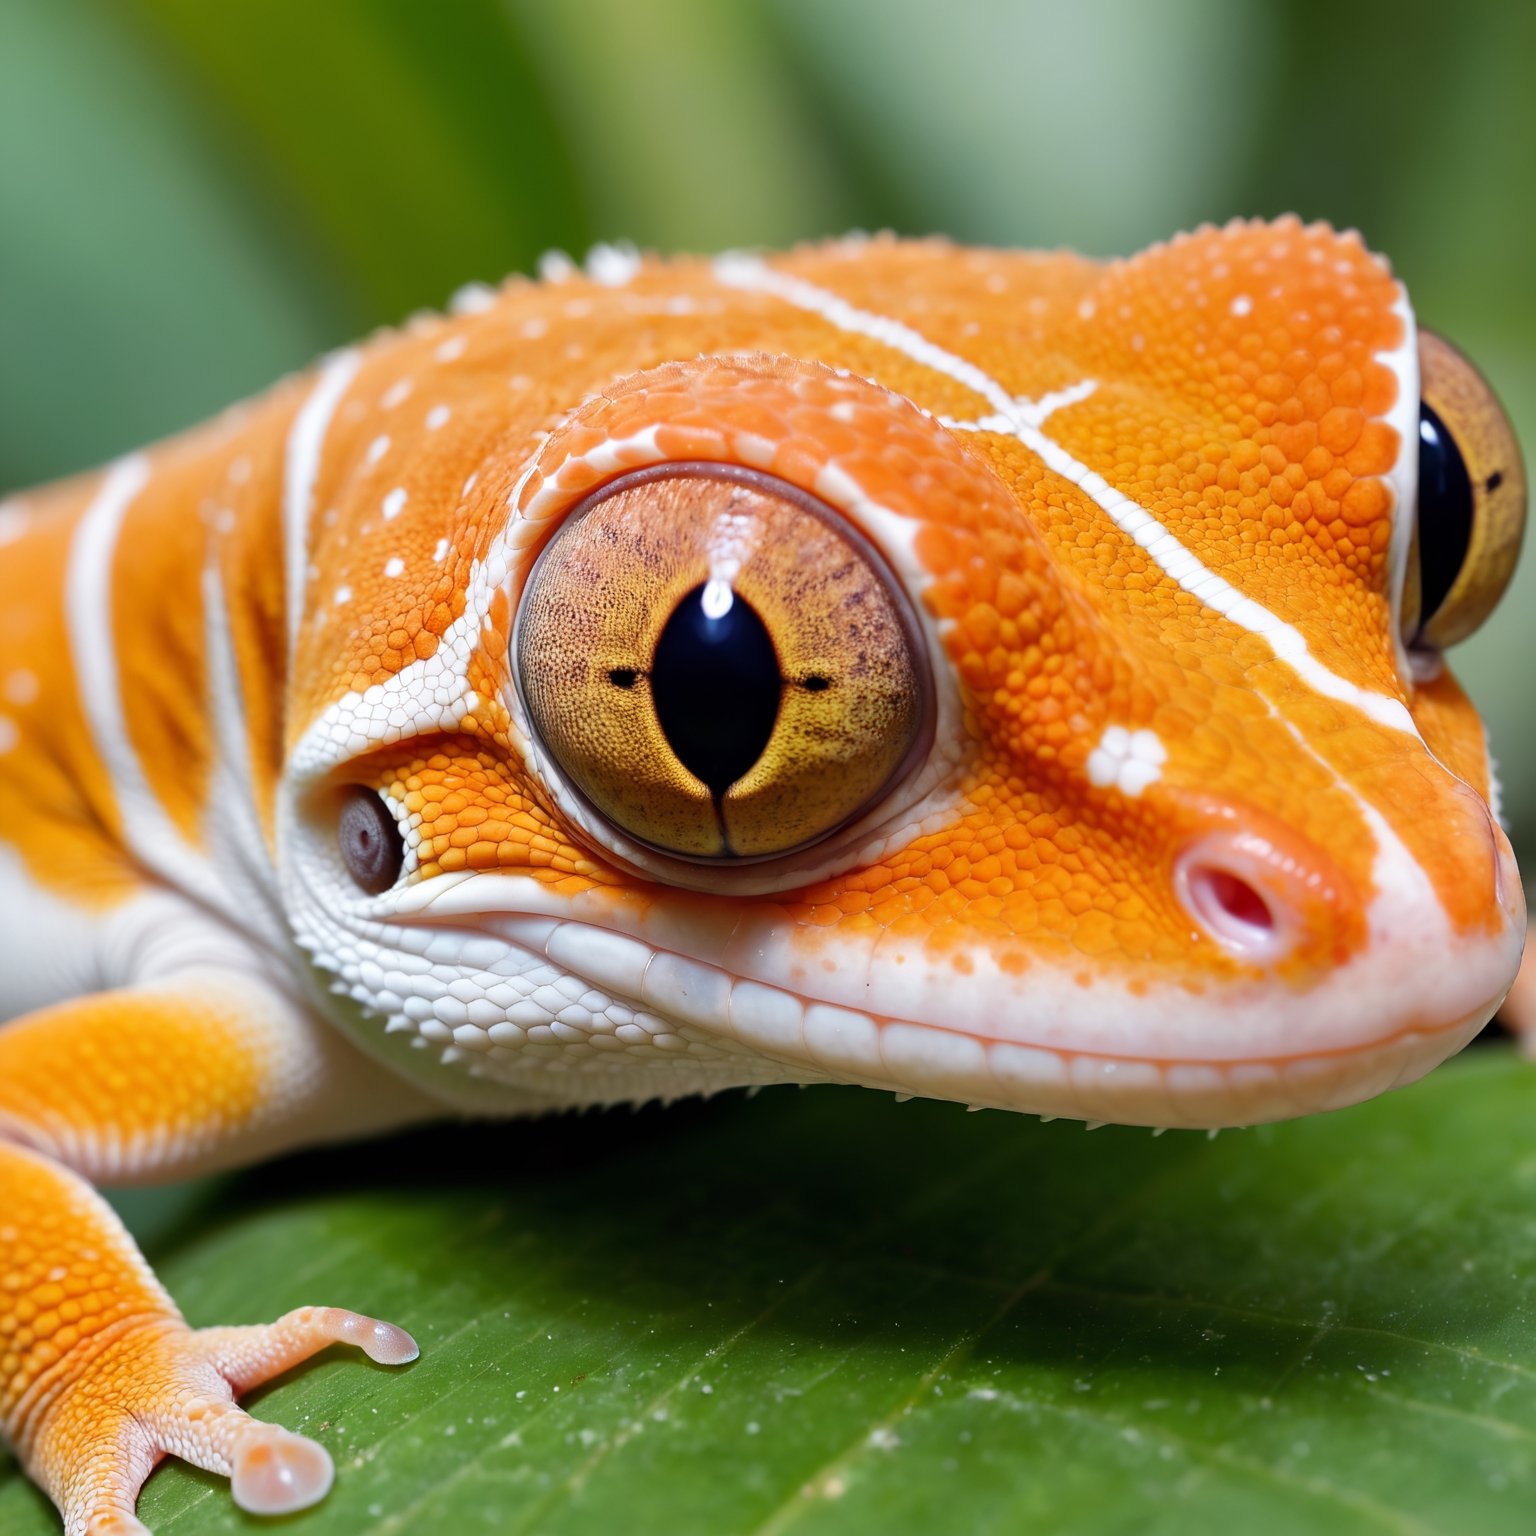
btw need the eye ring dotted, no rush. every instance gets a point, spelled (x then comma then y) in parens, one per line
(1470, 516)
(612, 835)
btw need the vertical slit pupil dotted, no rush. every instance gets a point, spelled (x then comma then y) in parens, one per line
(1445, 511)
(716, 686)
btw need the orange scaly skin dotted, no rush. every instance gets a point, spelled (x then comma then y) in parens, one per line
(1152, 519)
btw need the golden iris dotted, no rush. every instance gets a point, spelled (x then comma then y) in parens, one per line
(720, 664)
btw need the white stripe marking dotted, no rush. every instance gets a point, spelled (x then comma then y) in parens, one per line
(1034, 412)
(1178, 563)
(1403, 885)
(234, 829)
(306, 440)
(151, 836)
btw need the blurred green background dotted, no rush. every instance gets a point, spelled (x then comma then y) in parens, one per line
(196, 196)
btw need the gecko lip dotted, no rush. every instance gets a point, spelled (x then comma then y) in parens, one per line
(1034, 1042)
(819, 1041)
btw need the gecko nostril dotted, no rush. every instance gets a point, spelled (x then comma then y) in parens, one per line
(1263, 891)
(1229, 907)
(1236, 888)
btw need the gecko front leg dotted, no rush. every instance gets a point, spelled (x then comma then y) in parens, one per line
(100, 1376)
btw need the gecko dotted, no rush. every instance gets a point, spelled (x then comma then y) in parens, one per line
(996, 676)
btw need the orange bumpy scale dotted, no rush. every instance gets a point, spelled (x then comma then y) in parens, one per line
(990, 675)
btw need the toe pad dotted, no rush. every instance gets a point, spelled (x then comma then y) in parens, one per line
(276, 1472)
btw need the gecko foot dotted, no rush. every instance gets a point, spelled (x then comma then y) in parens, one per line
(167, 1390)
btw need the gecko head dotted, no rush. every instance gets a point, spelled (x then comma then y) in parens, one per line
(1006, 679)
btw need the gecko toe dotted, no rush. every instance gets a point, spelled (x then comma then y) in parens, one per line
(276, 1472)
(383, 1343)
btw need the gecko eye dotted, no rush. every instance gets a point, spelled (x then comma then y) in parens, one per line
(1471, 511)
(370, 841)
(722, 666)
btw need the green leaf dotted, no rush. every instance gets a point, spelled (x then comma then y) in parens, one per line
(823, 1311)
(414, 139)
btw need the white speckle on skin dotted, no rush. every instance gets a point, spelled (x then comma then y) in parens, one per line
(556, 267)
(9, 735)
(395, 567)
(21, 687)
(397, 394)
(240, 471)
(472, 299)
(441, 552)
(1242, 305)
(451, 350)
(341, 595)
(533, 329)
(469, 484)
(437, 417)
(378, 448)
(1087, 309)
(613, 265)
(1127, 760)
(394, 503)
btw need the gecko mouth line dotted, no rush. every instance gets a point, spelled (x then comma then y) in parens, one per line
(818, 1039)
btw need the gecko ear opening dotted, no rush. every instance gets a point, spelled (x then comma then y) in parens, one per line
(370, 841)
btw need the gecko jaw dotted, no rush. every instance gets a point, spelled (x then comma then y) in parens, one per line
(801, 1039)
(1038, 1042)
